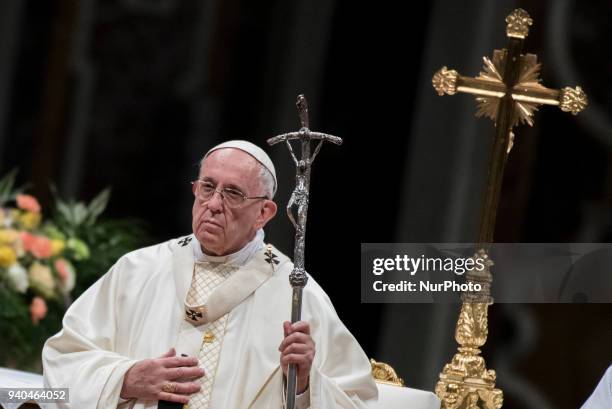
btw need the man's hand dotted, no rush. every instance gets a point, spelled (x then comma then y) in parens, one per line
(297, 348)
(146, 378)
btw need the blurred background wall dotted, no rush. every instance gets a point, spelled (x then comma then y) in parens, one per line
(131, 93)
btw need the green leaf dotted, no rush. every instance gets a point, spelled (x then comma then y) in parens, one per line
(6, 186)
(79, 212)
(98, 205)
(64, 210)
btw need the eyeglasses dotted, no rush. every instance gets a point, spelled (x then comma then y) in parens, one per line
(232, 198)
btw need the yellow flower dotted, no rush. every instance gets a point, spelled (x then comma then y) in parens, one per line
(7, 256)
(8, 236)
(57, 246)
(41, 280)
(29, 220)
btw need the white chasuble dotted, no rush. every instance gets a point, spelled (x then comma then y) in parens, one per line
(601, 398)
(139, 310)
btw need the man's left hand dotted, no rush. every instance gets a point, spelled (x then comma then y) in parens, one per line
(297, 348)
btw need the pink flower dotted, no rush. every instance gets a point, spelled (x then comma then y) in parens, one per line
(66, 273)
(42, 247)
(29, 203)
(27, 239)
(38, 309)
(62, 269)
(39, 246)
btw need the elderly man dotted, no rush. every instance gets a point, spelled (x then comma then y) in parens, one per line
(201, 319)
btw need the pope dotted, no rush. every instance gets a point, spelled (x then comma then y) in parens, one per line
(202, 319)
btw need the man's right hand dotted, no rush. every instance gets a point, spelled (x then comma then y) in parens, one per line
(146, 379)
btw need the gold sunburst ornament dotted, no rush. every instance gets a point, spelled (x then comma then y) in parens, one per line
(528, 83)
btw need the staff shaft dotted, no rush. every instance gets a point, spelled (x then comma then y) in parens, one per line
(296, 315)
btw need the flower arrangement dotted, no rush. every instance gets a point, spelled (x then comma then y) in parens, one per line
(35, 257)
(45, 263)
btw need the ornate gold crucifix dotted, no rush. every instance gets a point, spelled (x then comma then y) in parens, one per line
(508, 91)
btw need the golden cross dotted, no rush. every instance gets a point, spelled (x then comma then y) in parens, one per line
(508, 91)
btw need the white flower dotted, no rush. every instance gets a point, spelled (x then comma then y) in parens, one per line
(18, 278)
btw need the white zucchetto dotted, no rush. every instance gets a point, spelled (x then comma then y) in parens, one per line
(255, 151)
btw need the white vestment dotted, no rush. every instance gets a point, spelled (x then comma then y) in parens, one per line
(136, 311)
(601, 398)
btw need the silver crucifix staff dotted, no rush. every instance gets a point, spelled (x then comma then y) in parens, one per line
(299, 202)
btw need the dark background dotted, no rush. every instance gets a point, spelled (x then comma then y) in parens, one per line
(131, 93)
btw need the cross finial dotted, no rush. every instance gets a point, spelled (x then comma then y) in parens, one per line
(518, 24)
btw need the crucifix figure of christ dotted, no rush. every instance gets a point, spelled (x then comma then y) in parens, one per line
(297, 211)
(508, 91)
